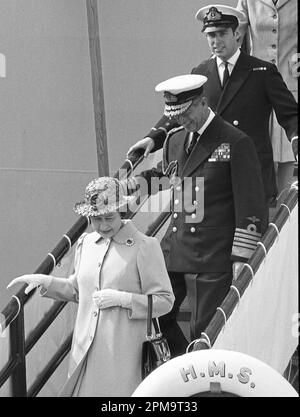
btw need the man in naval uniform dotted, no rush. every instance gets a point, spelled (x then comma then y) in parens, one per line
(219, 210)
(242, 89)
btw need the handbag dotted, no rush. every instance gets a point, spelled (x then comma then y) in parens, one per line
(155, 350)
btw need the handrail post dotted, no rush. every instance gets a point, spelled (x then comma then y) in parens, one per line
(17, 350)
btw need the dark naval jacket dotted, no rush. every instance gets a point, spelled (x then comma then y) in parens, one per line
(219, 207)
(254, 88)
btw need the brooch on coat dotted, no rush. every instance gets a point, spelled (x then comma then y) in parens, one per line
(130, 241)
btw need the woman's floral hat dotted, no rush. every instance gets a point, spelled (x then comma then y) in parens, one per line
(103, 195)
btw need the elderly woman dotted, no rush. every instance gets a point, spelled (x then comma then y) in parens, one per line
(115, 267)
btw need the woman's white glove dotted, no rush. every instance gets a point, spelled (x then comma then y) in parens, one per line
(33, 281)
(112, 298)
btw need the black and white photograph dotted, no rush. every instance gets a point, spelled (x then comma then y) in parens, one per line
(149, 201)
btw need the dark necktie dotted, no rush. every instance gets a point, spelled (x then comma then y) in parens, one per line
(275, 2)
(195, 136)
(225, 74)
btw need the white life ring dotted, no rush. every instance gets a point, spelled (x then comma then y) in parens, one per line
(209, 370)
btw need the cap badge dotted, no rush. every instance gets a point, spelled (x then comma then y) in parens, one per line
(213, 14)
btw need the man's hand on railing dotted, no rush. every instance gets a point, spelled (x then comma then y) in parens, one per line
(147, 144)
(33, 281)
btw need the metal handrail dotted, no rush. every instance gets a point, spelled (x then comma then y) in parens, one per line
(8, 369)
(10, 312)
(50, 368)
(232, 298)
(43, 325)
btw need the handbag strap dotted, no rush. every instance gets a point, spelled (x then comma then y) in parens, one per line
(150, 320)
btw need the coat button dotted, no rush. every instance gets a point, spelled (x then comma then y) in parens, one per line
(178, 188)
(193, 230)
(175, 215)
(193, 216)
(174, 229)
(176, 202)
(274, 16)
(95, 314)
(99, 264)
(274, 46)
(235, 122)
(274, 30)
(197, 189)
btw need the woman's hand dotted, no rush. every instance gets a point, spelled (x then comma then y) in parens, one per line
(111, 298)
(33, 281)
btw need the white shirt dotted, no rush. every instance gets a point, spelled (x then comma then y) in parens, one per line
(202, 129)
(231, 63)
